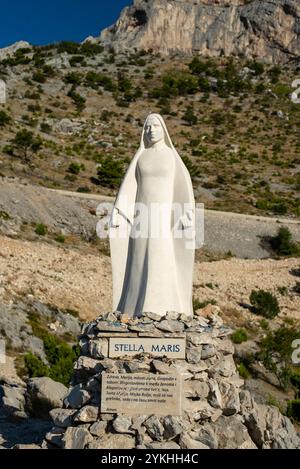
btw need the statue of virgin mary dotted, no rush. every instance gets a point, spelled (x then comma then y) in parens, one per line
(152, 230)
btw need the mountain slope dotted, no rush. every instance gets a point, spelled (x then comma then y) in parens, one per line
(213, 28)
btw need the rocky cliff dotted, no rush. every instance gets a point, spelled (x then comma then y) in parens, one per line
(264, 29)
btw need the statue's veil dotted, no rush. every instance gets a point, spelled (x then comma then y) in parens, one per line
(124, 206)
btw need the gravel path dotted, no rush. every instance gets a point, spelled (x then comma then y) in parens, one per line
(75, 213)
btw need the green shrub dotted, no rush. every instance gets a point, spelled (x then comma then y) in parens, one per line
(45, 127)
(4, 118)
(68, 46)
(75, 168)
(94, 80)
(60, 239)
(78, 100)
(35, 366)
(276, 352)
(193, 169)
(111, 172)
(26, 141)
(189, 116)
(293, 409)
(73, 78)
(264, 303)
(40, 229)
(243, 371)
(239, 336)
(61, 358)
(283, 243)
(197, 304)
(4, 215)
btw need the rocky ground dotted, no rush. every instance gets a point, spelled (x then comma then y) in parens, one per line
(70, 279)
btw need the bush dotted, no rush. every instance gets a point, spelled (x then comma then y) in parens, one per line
(243, 371)
(264, 303)
(25, 141)
(283, 244)
(78, 100)
(73, 78)
(111, 172)
(40, 229)
(35, 366)
(239, 336)
(60, 239)
(4, 118)
(293, 409)
(61, 358)
(75, 168)
(94, 80)
(189, 116)
(276, 352)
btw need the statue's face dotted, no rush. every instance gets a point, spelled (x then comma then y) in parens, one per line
(154, 131)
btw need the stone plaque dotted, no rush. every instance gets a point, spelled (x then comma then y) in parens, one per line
(169, 347)
(141, 393)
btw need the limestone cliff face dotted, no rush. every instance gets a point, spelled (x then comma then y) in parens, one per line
(264, 29)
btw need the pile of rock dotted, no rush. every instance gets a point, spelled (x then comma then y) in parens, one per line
(217, 411)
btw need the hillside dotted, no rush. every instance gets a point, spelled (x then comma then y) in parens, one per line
(76, 110)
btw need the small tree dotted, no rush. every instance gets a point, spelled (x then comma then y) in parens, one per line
(111, 172)
(264, 303)
(283, 244)
(25, 141)
(4, 118)
(189, 116)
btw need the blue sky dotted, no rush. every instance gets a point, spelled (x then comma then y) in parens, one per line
(45, 21)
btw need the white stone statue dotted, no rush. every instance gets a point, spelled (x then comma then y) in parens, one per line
(152, 243)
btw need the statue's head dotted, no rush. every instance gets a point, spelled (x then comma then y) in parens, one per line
(154, 132)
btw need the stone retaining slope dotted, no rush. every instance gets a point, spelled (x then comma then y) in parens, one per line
(217, 411)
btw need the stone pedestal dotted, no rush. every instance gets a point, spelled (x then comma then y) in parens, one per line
(162, 383)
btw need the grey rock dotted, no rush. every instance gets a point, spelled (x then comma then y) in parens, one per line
(106, 326)
(29, 446)
(98, 428)
(77, 397)
(76, 438)
(62, 417)
(187, 442)
(215, 397)
(231, 433)
(154, 316)
(87, 414)
(162, 445)
(169, 325)
(200, 339)
(268, 428)
(195, 388)
(208, 351)
(154, 427)
(173, 426)
(43, 395)
(12, 400)
(193, 355)
(55, 438)
(206, 436)
(122, 424)
(113, 441)
(98, 348)
(224, 367)
(162, 367)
